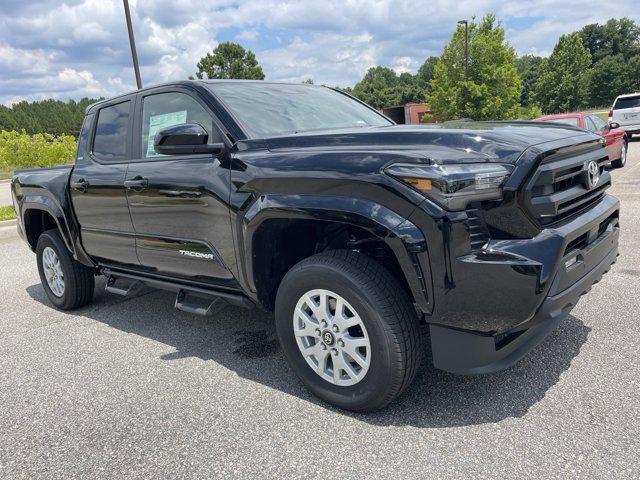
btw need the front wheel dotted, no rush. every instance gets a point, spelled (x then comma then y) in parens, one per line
(68, 283)
(348, 330)
(623, 156)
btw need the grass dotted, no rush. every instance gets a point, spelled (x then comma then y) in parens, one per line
(5, 172)
(7, 213)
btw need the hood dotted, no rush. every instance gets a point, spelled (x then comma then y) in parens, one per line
(451, 142)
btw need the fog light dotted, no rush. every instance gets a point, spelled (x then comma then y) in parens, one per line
(572, 261)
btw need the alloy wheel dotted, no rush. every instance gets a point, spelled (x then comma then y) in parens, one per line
(53, 271)
(332, 337)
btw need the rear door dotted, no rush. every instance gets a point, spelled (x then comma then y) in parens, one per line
(179, 204)
(96, 184)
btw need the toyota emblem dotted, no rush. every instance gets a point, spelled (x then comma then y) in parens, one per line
(593, 174)
(328, 338)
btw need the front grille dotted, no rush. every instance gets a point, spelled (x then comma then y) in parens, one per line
(558, 189)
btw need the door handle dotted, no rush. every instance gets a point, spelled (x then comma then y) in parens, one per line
(137, 184)
(80, 185)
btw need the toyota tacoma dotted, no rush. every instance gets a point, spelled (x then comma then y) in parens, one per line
(354, 231)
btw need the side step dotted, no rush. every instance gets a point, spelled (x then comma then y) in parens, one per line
(132, 287)
(184, 293)
(183, 304)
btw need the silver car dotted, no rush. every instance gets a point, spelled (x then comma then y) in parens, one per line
(626, 112)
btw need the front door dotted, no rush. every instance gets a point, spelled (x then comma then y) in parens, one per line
(612, 139)
(179, 204)
(97, 184)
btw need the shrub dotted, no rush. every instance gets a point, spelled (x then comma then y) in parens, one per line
(20, 150)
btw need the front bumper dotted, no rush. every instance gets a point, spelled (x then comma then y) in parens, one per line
(584, 250)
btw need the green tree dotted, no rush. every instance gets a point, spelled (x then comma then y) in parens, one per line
(608, 79)
(493, 88)
(616, 37)
(230, 60)
(633, 74)
(45, 116)
(426, 71)
(382, 87)
(528, 67)
(564, 80)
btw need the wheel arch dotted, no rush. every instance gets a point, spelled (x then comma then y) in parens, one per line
(278, 231)
(43, 215)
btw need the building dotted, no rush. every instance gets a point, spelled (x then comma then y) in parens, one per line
(411, 113)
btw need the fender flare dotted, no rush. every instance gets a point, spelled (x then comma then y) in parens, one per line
(405, 239)
(51, 206)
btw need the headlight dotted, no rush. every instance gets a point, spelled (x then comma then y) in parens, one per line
(454, 186)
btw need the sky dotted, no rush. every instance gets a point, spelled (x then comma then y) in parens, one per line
(77, 48)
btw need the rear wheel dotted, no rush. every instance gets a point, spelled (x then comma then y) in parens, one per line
(623, 156)
(67, 282)
(348, 330)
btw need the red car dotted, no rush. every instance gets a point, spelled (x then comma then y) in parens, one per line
(615, 139)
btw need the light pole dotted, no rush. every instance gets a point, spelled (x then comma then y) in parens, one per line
(466, 62)
(132, 42)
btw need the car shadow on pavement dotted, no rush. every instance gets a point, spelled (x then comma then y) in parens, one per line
(244, 341)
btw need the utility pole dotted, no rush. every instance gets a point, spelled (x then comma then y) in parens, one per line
(132, 42)
(466, 62)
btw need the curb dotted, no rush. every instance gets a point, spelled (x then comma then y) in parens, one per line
(9, 223)
(2, 182)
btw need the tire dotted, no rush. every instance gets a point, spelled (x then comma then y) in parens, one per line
(623, 156)
(77, 279)
(389, 322)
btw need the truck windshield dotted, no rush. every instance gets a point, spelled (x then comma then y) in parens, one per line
(269, 109)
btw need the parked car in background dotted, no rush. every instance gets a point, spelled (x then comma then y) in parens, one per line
(625, 111)
(615, 137)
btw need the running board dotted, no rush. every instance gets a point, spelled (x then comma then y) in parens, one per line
(216, 298)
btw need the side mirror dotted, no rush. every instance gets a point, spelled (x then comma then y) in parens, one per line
(614, 125)
(184, 139)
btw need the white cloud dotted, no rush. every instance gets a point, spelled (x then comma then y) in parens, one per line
(80, 47)
(249, 35)
(404, 65)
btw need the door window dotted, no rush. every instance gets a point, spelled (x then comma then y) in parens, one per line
(598, 122)
(83, 139)
(111, 139)
(165, 110)
(589, 125)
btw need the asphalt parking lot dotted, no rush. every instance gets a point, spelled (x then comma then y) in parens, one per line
(131, 388)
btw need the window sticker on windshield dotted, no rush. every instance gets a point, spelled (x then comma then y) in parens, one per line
(158, 122)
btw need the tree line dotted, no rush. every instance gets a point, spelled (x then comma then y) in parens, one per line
(587, 68)
(53, 117)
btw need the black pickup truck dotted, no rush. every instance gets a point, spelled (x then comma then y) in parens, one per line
(301, 200)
